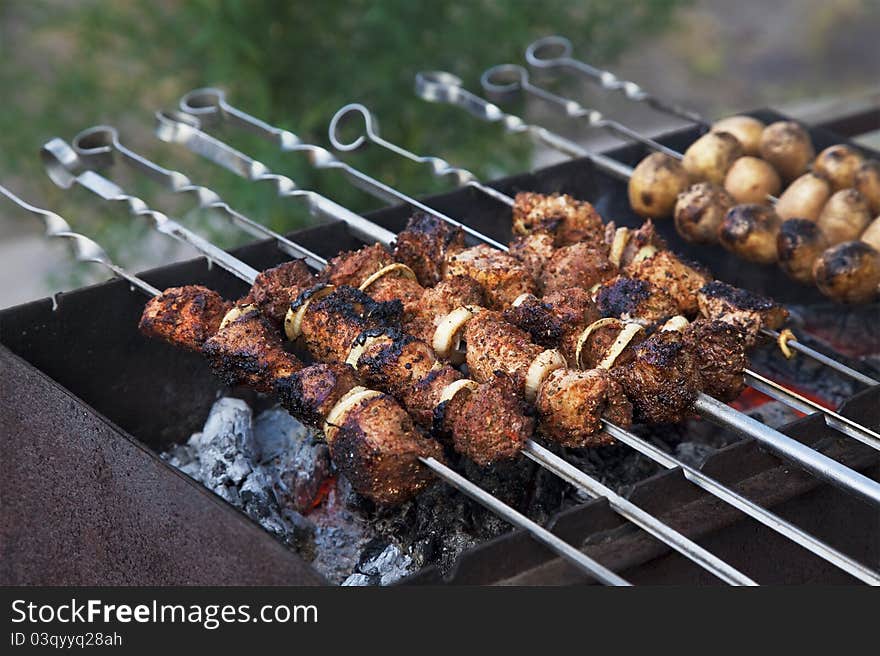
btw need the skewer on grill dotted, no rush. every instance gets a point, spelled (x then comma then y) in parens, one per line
(87, 250)
(446, 87)
(439, 86)
(748, 507)
(464, 177)
(532, 450)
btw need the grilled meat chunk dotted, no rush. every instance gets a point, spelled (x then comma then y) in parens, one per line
(332, 323)
(533, 251)
(635, 300)
(720, 355)
(500, 275)
(425, 244)
(572, 404)
(668, 272)
(597, 346)
(377, 447)
(488, 437)
(248, 350)
(495, 345)
(184, 316)
(751, 312)
(311, 392)
(569, 221)
(662, 380)
(644, 237)
(275, 289)
(578, 265)
(351, 268)
(393, 361)
(438, 301)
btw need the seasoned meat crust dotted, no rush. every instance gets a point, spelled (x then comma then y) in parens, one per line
(331, 323)
(275, 289)
(311, 393)
(378, 448)
(394, 361)
(720, 354)
(500, 275)
(425, 244)
(570, 221)
(751, 312)
(634, 300)
(249, 350)
(578, 265)
(484, 437)
(533, 251)
(495, 345)
(184, 316)
(438, 301)
(666, 271)
(351, 268)
(662, 381)
(572, 404)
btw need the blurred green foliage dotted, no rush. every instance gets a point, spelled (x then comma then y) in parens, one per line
(72, 65)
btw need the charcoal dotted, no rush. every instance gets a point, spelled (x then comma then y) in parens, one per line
(384, 568)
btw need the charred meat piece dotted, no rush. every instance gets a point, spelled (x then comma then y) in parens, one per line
(311, 393)
(425, 244)
(500, 275)
(392, 360)
(333, 322)
(666, 271)
(377, 447)
(569, 221)
(578, 265)
(533, 251)
(662, 381)
(572, 404)
(635, 300)
(488, 437)
(275, 289)
(719, 352)
(353, 267)
(751, 312)
(495, 345)
(248, 350)
(184, 316)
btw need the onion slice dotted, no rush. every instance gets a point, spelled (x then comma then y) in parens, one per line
(644, 253)
(357, 349)
(293, 318)
(405, 271)
(522, 299)
(346, 404)
(623, 340)
(676, 324)
(585, 335)
(621, 239)
(236, 313)
(447, 335)
(541, 367)
(455, 387)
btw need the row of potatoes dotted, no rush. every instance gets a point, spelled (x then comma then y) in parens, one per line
(724, 190)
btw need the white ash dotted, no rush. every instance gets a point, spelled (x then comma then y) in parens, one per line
(390, 565)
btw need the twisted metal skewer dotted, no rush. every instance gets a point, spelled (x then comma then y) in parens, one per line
(555, 52)
(439, 86)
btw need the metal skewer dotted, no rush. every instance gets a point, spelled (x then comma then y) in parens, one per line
(625, 508)
(87, 250)
(465, 177)
(555, 52)
(439, 86)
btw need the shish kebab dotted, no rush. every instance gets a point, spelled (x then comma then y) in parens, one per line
(373, 425)
(484, 420)
(439, 86)
(180, 183)
(538, 250)
(186, 132)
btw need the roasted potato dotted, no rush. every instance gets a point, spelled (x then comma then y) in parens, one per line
(752, 180)
(788, 147)
(700, 210)
(867, 181)
(871, 235)
(804, 198)
(655, 185)
(799, 244)
(844, 217)
(751, 231)
(710, 156)
(848, 272)
(746, 129)
(838, 164)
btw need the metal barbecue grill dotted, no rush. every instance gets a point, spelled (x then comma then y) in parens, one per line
(805, 530)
